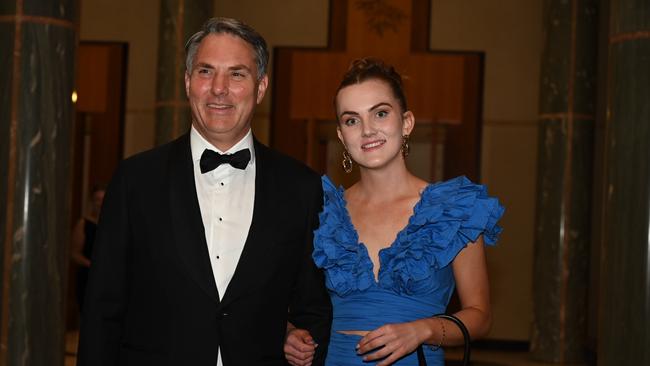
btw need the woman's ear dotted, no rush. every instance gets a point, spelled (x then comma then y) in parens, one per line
(408, 122)
(340, 135)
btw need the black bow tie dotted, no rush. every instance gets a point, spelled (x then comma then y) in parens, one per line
(210, 160)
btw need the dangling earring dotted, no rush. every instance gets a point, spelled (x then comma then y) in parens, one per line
(405, 146)
(347, 162)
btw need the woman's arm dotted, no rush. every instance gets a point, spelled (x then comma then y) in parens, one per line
(473, 287)
(470, 272)
(78, 242)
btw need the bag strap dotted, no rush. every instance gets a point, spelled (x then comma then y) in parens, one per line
(466, 354)
(421, 360)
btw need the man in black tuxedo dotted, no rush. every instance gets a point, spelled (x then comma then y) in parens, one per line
(203, 252)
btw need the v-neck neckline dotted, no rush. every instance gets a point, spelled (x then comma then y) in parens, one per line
(400, 233)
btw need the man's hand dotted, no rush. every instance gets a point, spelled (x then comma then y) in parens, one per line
(299, 347)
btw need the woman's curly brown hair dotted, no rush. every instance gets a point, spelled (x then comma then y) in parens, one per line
(371, 68)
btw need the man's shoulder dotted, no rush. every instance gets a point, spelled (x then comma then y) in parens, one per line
(155, 156)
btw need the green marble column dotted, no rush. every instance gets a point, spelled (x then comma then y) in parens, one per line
(179, 19)
(38, 42)
(624, 337)
(565, 155)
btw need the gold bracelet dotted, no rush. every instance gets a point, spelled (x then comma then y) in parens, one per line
(442, 339)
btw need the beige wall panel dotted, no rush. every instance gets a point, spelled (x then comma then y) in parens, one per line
(134, 22)
(139, 126)
(509, 158)
(510, 34)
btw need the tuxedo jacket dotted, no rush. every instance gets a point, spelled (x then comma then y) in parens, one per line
(151, 297)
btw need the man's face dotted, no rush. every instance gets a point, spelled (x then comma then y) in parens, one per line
(223, 89)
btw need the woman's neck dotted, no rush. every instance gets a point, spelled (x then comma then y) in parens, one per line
(379, 185)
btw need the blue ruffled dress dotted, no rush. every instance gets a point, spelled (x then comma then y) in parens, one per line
(415, 276)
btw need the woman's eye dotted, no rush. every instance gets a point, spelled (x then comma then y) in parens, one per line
(382, 114)
(350, 121)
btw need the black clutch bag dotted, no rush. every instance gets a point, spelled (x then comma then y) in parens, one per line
(423, 362)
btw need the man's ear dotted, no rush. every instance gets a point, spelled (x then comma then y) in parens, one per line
(261, 88)
(187, 84)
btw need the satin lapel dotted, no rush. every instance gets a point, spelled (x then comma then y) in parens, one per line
(254, 254)
(189, 234)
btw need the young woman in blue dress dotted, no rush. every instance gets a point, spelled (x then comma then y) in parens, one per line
(393, 246)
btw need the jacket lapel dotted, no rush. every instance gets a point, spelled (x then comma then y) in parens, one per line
(189, 233)
(254, 253)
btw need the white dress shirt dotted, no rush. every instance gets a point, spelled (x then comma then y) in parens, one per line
(226, 196)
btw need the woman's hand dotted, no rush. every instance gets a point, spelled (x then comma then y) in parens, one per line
(393, 341)
(299, 347)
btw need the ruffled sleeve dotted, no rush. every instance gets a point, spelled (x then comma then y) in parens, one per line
(474, 213)
(346, 263)
(450, 215)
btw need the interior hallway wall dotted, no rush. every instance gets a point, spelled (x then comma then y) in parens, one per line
(134, 22)
(510, 34)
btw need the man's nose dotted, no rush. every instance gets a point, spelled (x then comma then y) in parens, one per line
(220, 84)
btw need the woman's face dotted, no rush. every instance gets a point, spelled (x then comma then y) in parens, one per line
(371, 123)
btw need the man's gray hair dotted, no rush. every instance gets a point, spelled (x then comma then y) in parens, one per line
(236, 28)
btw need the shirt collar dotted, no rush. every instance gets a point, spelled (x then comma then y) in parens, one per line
(198, 143)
